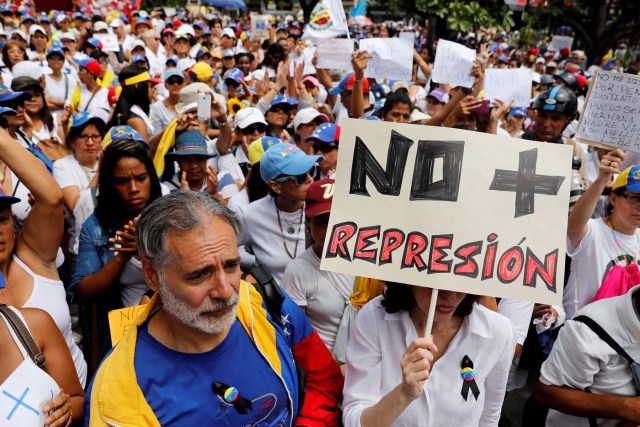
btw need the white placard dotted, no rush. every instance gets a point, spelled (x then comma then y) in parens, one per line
(392, 58)
(450, 209)
(611, 115)
(109, 42)
(334, 54)
(508, 84)
(453, 64)
(307, 57)
(260, 27)
(560, 42)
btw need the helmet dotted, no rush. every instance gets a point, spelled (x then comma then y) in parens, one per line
(559, 99)
(568, 78)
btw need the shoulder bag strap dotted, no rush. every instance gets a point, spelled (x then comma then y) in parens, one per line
(23, 334)
(604, 336)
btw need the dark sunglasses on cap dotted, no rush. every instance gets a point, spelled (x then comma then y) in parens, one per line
(250, 130)
(324, 148)
(175, 81)
(300, 179)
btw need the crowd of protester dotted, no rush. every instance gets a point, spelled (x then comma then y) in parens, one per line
(115, 192)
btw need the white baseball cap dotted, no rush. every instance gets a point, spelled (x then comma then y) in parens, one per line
(248, 116)
(185, 29)
(100, 26)
(228, 32)
(117, 23)
(30, 69)
(307, 115)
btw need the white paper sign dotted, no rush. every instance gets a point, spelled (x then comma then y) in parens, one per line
(560, 42)
(23, 395)
(307, 58)
(392, 58)
(334, 54)
(453, 64)
(260, 27)
(508, 84)
(450, 209)
(611, 115)
(109, 42)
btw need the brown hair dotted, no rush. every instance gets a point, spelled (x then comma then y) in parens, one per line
(5, 53)
(399, 297)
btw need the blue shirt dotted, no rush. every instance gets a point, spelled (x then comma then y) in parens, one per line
(179, 386)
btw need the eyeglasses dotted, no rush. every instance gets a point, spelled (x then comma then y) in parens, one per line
(299, 179)
(324, 148)
(176, 81)
(633, 198)
(84, 137)
(250, 130)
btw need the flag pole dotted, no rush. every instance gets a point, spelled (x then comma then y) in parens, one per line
(431, 313)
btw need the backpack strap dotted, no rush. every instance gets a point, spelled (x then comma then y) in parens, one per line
(270, 291)
(604, 336)
(24, 336)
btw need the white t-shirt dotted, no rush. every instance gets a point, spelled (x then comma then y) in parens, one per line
(261, 235)
(580, 359)
(96, 104)
(239, 200)
(592, 260)
(60, 89)
(160, 116)
(519, 313)
(68, 171)
(229, 164)
(324, 293)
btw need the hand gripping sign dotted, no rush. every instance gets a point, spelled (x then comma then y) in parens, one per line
(450, 209)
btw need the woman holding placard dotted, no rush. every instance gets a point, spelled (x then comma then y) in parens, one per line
(397, 376)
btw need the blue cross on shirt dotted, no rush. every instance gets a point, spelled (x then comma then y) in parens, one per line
(19, 402)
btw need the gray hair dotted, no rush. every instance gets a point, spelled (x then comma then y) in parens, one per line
(183, 211)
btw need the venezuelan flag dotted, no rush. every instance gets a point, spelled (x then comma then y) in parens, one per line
(608, 60)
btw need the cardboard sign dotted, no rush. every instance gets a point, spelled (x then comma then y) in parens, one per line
(120, 320)
(611, 116)
(334, 54)
(450, 209)
(260, 27)
(109, 42)
(306, 57)
(508, 84)
(560, 42)
(392, 58)
(453, 64)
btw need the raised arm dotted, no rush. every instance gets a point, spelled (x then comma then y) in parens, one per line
(586, 204)
(38, 242)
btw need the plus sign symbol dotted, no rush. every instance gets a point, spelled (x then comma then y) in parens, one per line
(526, 183)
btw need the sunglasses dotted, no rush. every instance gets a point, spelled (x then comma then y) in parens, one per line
(299, 179)
(250, 130)
(232, 83)
(633, 198)
(279, 109)
(14, 105)
(324, 148)
(176, 81)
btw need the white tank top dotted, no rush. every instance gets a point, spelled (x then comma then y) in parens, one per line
(26, 390)
(50, 296)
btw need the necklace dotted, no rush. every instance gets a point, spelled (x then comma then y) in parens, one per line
(626, 261)
(290, 230)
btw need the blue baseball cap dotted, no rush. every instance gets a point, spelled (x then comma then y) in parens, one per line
(55, 51)
(326, 132)
(234, 74)
(285, 159)
(228, 53)
(10, 96)
(189, 143)
(94, 42)
(347, 84)
(518, 111)
(280, 100)
(84, 118)
(124, 133)
(4, 111)
(7, 199)
(629, 179)
(172, 72)
(136, 57)
(201, 53)
(173, 59)
(293, 101)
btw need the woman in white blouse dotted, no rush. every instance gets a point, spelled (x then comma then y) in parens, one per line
(396, 376)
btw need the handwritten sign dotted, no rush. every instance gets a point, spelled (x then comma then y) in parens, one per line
(508, 84)
(392, 58)
(463, 211)
(306, 57)
(334, 53)
(611, 116)
(453, 64)
(560, 42)
(109, 42)
(120, 320)
(259, 27)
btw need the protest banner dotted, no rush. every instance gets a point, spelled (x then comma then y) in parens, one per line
(452, 209)
(392, 58)
(120, 320)
(508, 84)
(259, 27)
(560, 42)
(334, 53)
(453, 64)
(611, 115)
(109, 42)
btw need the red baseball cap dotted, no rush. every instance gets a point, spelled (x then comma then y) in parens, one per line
(319, 197)
(91, 65)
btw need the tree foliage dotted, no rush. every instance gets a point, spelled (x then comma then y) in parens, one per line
(469, 16)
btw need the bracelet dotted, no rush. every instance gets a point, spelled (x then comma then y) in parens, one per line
(70, 419)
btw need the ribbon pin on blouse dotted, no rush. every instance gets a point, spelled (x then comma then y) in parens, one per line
(468, 377)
